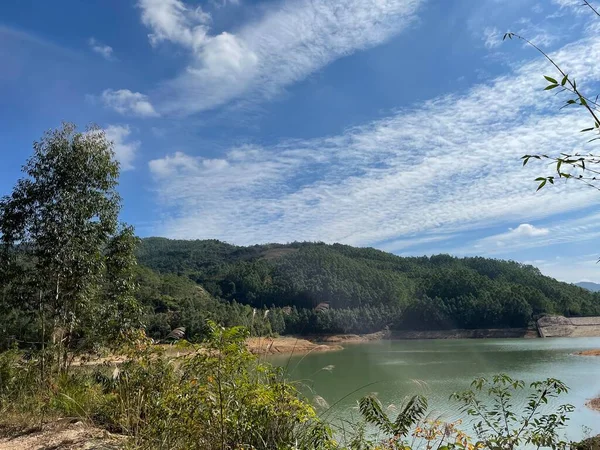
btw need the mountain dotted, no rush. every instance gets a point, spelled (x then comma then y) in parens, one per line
(314, 287)
(590, 286)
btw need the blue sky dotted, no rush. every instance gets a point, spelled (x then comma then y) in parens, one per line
(396, 124)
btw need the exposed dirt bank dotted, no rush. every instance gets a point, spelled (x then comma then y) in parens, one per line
(559, 326)
(589, 353)
(282, 345)
(352, 338)
(594, 404)
(61, 435)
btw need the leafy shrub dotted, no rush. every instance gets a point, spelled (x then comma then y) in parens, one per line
(500, 426)
(220, 397)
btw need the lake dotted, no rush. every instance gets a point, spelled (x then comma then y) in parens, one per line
(437, 368)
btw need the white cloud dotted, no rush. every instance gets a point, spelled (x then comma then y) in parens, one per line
(447, 165)
(542, 35)
(286, 45)
(492, 37)
(126, 102)
(173, 20)
(222, 3)
(125, 150)
(514, 237)
(568, 3)
(571, 269)
(527, 230)
(566, 231)
(397, 245)
(106, 51)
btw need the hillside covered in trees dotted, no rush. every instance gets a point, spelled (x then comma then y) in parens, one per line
(310, 288)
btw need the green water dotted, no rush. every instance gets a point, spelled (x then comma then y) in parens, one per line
(437, 368)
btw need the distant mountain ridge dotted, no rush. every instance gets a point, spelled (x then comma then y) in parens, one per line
(589, 285)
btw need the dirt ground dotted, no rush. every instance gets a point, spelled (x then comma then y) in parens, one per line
(589, 353)
(352, 338)
(559, 326)
(62, 436)
(283, 345)
(594, 404)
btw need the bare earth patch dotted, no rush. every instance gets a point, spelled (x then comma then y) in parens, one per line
(62, 436)
(273, 346)
(594, 404)
(351, 338)
(589, 353)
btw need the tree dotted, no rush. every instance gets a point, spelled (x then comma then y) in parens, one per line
(59, 231)
(118, 310)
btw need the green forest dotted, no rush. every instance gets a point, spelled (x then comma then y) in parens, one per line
(307, 288)
(316, 288)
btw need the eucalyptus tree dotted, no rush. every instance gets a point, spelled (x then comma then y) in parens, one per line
(60, 233)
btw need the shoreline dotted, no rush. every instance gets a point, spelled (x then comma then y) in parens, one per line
(324, 343)
(286, 345)
(595, 352)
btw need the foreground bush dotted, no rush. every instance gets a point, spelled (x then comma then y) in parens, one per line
(220, 397)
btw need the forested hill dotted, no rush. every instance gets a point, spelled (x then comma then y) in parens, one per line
(365, 289)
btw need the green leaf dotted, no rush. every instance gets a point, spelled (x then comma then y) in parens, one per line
(551, 86)
(550, 79)
(564, 80)
(587, 129)
(542, 184)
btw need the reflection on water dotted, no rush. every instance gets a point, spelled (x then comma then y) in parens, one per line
(445, 366)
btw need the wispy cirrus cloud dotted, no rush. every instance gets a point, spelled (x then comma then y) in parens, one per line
(448, 165)
(492, 37)
(571, 269)
(261, 58)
